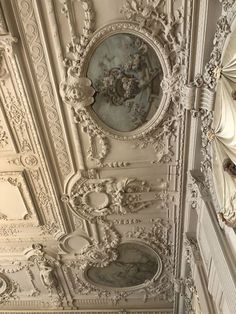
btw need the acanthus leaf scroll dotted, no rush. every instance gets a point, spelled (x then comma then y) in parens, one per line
(95, 198)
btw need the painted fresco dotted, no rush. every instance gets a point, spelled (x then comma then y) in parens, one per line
(136, 264)
(126, 74)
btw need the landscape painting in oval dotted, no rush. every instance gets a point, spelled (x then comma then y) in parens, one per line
(135, 264)
(126, 75)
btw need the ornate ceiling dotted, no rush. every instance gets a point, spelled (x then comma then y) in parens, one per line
(99, 125)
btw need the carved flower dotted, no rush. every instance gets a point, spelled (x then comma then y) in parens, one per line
(77, 92)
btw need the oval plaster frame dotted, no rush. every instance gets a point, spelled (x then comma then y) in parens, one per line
(132, 288)
(155, 44)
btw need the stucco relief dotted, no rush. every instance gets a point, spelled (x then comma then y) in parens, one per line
(14, 184)
(94, 198)
(3, 137)
(47, 264)
(142, 263)
(77, 92)
(127, 85)
(37, 52)
(137, 85)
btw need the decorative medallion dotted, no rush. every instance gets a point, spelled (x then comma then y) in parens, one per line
(126, 75)
(136, 263)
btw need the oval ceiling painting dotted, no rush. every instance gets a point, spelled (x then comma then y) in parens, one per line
(126, 74)
(135, 264)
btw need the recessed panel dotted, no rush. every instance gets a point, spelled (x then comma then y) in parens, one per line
(12, 204)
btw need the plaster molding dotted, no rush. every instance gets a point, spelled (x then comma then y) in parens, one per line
(164, 33)
(94, 198)
(104, 198)
(26, 160)
(213, 67)
(34, 292)
(98, 254)
(14, 267)
(211, 76)
(79, 42)
(94, 128)
(7, 43)
(160, 287)
(18, 180)
(17, 110)
(12, 230)
(3, 137)
(7, 290)
(192, 250)
(207, 136)
(35, 46)
(47, 264)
